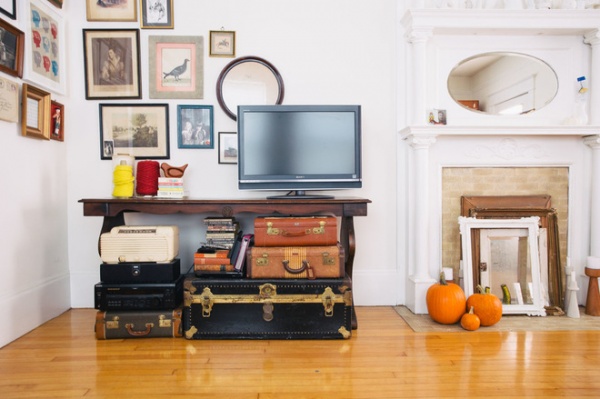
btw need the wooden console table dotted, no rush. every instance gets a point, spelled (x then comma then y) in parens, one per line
(113, 210)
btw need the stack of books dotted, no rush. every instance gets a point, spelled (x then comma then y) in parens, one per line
(213, 261)
(221, 232)
(170, 187)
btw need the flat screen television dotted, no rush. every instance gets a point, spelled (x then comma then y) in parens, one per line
(299, 148)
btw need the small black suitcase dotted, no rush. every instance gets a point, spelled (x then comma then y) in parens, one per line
(267, 309)
(140, 272)
(138, 324)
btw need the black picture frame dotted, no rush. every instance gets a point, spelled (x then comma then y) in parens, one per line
(10, 10)
(140, 130)
(104, 48)
(156, 14)
(12, 49)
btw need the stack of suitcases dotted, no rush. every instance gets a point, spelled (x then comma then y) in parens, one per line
(141, 289)
(295, 287)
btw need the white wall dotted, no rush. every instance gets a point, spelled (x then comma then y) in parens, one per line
(34, 272)
(337, 51)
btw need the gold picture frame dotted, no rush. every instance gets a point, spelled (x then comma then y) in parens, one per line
(35, 112)
(222, 43)
(156, 14)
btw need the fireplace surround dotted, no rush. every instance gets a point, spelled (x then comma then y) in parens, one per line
(436, 41)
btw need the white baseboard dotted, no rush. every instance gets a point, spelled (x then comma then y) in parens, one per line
(28, 309)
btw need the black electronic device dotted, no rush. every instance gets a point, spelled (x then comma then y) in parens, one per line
(298, 148)
(140, 272)
(139, 296)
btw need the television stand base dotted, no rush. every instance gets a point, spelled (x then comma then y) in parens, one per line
(299, 194)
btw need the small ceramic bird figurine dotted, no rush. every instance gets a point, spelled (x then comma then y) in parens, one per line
(173, 171)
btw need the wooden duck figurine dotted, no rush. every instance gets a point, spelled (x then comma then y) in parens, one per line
(173, 171)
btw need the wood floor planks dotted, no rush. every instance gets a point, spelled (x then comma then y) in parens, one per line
(384, 359)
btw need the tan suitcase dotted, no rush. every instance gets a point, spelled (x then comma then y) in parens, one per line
(310, 262)
(295, 231)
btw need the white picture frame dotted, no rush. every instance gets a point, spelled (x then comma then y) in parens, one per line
(531, 224)
(45, 60)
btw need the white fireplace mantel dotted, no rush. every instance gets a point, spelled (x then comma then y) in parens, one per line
(495, 131)
(435, 41)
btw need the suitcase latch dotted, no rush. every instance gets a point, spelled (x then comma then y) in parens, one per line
(207, 302)
(328, 260)
(113, 324)
(164, 322)
(328, 301)
(263, 260)
(268, 311)
(320, 229)
(272, 231)
(267, 291)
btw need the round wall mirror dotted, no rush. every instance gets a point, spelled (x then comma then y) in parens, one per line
(248, 81)
(503, 83)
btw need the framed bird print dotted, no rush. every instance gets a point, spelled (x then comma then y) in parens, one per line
(176, 67)
(112, 63)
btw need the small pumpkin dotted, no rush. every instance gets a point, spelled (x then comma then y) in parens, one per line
(445, 301)
(487, 306)
(470, 321)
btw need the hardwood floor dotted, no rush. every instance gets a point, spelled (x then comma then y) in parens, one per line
(383, 359)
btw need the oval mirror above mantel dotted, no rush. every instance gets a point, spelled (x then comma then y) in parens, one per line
(502, 83)
(248, 80)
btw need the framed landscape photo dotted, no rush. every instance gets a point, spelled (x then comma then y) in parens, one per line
(9, 8)
(156, 14)
(228, 147)
(57, 117)
(139, 130)
(35, 112)
(111, 10)
(12, 44)
(195, 126)
(112, 63)
(222, 43)
(176, 67)
(45, 60)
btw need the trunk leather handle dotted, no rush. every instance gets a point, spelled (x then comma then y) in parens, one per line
(305, 266)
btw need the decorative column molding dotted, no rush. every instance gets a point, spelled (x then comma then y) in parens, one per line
(594, 143)
(418, 38)
(420, 279)
(593, 38)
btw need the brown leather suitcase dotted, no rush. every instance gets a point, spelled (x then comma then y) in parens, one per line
(295, 231)
(311, 262)
(115, 324)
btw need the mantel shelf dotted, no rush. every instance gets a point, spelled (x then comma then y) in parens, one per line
(502, 22)
(445, 130)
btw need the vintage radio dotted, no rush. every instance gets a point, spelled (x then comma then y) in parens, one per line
(140, 244)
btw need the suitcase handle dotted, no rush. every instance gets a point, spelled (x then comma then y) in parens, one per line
(305, 266)
(134, 333)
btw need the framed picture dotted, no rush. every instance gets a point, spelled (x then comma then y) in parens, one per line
(111, 10)
(112, 63)
(57, 3)
(156, 14)
(195, 126)
(35, 112)
(45, 61)
(9, 8)
(228, 147)
(12, 43)
(222, 43)
(9, 100)
(57, 116)
(139, 130)
(176, 67)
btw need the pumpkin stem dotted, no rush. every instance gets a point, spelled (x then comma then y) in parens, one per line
(472, 310)
(480, 289)
(443, 278)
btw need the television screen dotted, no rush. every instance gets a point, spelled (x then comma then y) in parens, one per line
(299, 147)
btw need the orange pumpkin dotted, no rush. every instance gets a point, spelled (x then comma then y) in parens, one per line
(445, 302)
(487, 306)
(470, 321)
